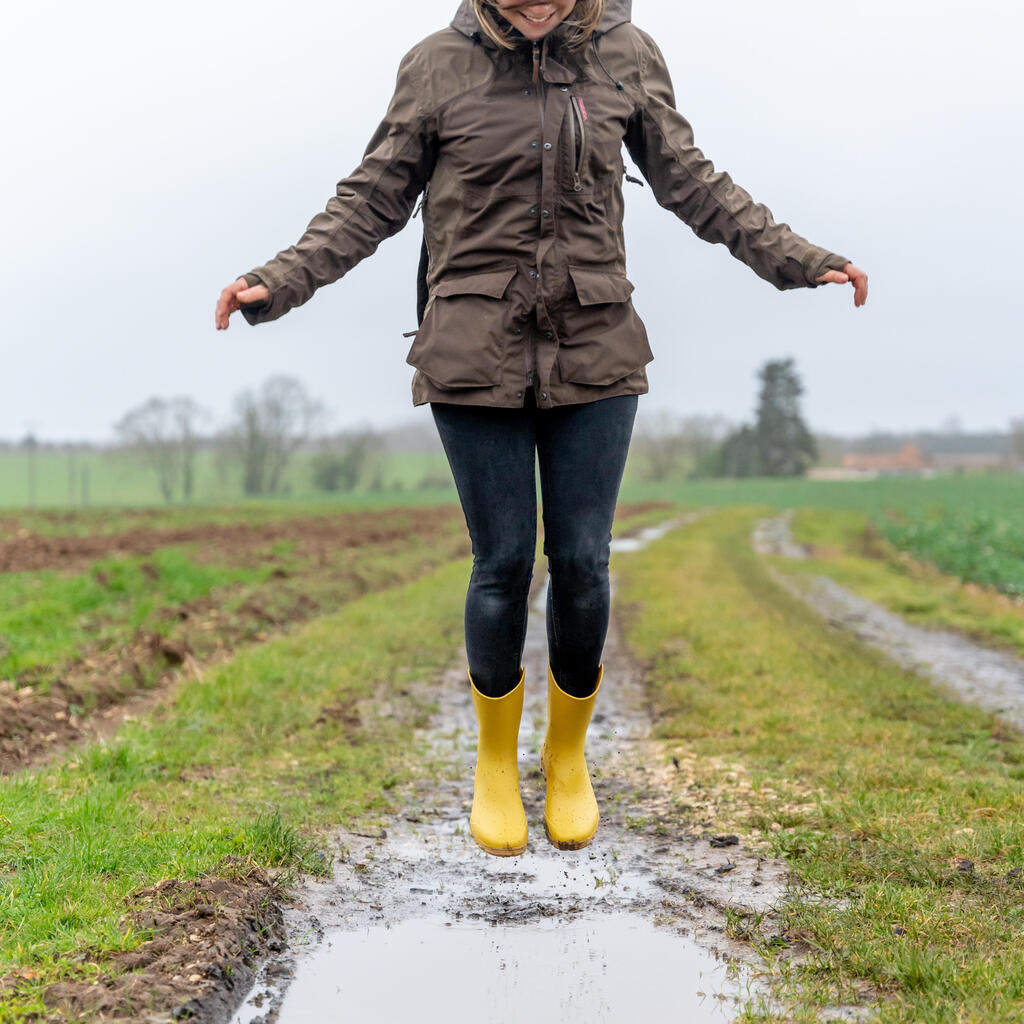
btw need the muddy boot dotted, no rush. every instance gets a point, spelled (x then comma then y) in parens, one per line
(498, 821)
(570, 811)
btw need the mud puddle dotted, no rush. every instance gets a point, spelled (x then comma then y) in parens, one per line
(640, 914)
(593, 969)
(979, 675)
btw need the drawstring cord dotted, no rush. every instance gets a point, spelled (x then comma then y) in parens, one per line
(597, 53)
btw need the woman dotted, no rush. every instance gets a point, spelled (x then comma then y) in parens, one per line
(510, 124)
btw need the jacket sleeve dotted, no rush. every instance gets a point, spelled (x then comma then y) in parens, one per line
(660, 141)
(374, 202)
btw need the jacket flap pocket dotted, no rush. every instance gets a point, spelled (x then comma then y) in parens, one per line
(596, 286)
(492, 283)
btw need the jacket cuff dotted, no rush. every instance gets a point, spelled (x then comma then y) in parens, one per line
(818, 262)
(256, 312)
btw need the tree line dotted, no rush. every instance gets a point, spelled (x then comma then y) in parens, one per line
(776, 443)
(268, 425)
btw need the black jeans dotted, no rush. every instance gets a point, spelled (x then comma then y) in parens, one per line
(582, 451)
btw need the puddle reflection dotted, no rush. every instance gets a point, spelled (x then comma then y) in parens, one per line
(599, 969)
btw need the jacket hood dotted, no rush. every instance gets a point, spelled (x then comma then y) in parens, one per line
(616, 13)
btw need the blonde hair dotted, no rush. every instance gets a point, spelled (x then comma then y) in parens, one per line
(581, 24)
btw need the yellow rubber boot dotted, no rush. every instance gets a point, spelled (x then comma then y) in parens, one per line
(570, 810)
(498, 821)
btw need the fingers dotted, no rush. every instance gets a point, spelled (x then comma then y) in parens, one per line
(834, 277)
(228, 303)
(860, 284)
(850, 274)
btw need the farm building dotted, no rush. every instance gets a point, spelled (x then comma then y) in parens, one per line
(908, 461)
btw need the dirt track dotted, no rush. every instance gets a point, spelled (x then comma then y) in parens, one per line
(655, 861)
(992, 679)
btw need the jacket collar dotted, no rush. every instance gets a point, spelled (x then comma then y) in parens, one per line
(616, 12)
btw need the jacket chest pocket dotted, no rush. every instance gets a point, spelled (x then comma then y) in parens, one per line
(461, 341)
(604, 339)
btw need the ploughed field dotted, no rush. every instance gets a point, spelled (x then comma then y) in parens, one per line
(90, 618)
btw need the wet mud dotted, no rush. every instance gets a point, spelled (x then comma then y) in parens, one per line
(566, 935)
(989, 678)
(208, 935)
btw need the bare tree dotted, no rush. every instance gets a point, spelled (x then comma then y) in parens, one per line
(270, 425)
(669, 446)
(163, 432)
(187, 415)
(344, 459)
(149, 429)
(1017, 439)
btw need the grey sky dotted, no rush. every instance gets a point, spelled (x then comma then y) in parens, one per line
(152, 153)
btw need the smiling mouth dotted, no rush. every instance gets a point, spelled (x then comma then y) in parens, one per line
(537, 21)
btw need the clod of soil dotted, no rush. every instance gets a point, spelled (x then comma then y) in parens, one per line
(208, 935)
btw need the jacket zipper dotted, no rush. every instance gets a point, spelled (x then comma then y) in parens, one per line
(422, 202)
(579, 120)
(528, 342)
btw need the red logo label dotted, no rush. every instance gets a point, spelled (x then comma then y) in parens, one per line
(583, 109)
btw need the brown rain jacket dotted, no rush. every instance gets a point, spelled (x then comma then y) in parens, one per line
(518, 156)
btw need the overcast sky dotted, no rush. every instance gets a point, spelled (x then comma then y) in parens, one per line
(154, 152)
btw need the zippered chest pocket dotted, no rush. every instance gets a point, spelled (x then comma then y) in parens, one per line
(578, 139)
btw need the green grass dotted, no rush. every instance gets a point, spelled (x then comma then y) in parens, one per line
(115, 478)
(244, 762)
(45, 617)
(970, 495)
(850, 553)
(875, 788)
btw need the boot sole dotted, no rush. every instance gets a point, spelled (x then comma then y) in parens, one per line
(501, 851)
(568, 844)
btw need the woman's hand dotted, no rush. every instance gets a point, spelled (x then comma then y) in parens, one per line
(849, 275)
(232, 298)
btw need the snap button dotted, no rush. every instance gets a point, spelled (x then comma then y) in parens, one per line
(564, 88)
(533, 273)
(543, 395)
(533, 210)
(547, 145)
(526, 92)
(519, 394)
(534, 144)
(517, 330)
(544, 213)
(549, 335)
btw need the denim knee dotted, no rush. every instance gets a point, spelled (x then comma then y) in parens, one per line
(509, 570)
(582, 570)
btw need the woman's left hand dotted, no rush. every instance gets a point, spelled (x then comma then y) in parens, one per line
(849, 275)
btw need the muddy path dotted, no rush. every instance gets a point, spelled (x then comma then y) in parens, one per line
(640, 915)
(989, 678)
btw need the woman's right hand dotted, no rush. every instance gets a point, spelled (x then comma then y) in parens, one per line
(232, 298)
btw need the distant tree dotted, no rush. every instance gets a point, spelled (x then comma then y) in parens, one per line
(1017, 439)
(163, 431)
(341, 461)
(150, 430)
(738, 455)
(666, 446)
(785, 446)
(187, 415)
(269, 426)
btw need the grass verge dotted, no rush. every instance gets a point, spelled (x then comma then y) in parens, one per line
(898, 810)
